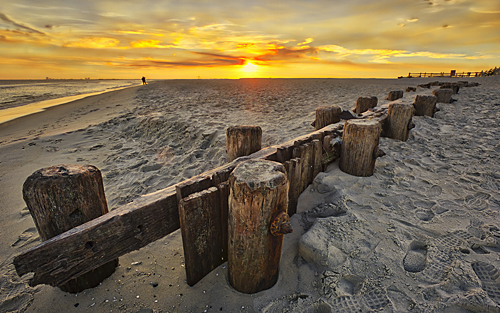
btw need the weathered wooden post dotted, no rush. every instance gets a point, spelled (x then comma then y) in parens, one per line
(65, 196)
(360, 147)
(365, 103)
(257, 222)
(395, 95)
(443, 95)
(398, 123)
(326, 115)
(242, 141)
(425, 105)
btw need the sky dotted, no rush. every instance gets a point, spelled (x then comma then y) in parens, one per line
(177, 39)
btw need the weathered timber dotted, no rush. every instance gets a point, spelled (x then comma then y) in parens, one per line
(453, 86)
(65, 196)
(257, 222)
(331, 147)
(192, 185)
(305, 153)
(293, 168)
(317, 157)
(398, 123)
(363, 104)
(202, 222)
(359, 147)
(394, 95)
(425, 105)
(284, 154)
(107, 237)
(411, 89)
(242, 141)
(224, 206)
(326, 115)
(443, 95)
(63, 257)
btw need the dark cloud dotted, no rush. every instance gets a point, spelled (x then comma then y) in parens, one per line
(8, 20)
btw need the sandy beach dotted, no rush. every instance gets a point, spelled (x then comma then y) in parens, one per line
(420, 235)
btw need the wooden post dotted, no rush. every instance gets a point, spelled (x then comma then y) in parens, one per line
(398, 123)
(359, 147)
(60, 198)
(425, 105)
(365, 103)
(395, 95)
(257, 222)
(443, 95)
(242, 141)
(293, 168)
(318, 157)
(326, 115)
(203, 225)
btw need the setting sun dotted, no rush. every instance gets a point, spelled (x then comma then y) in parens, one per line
(250, 67)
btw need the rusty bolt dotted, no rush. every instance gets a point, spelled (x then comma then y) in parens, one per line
(281, 225)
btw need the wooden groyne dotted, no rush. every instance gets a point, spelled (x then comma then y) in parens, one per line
(200, 205)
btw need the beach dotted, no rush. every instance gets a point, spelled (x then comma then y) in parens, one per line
(420, 235)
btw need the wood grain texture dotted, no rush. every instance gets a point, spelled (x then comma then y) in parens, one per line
(258, 194)
(359, 146)
(202, 228)
(397, 123)
(242, 141)
(65, 196)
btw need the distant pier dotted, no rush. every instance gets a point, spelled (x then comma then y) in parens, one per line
(452, 73)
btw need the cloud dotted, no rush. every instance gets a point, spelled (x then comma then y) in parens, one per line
(93, 43)
(10, 21)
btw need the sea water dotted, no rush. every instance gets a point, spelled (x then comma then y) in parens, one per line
(23, 97)
(15, 93)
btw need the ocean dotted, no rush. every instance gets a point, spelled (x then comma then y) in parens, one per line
(15, 93)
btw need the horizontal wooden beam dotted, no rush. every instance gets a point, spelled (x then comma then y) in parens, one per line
(128, 228)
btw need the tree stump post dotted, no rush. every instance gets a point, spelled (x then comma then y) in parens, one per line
(326, 115)
(257, 222)
(395, 95)
(60, 198)
(399, 121)
(425, 105)
(365, 103)
(242, 141)
(360, 147)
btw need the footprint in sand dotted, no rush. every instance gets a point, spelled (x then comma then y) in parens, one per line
(488, 275)
(415, 259)
(424, 214)
(28, 236)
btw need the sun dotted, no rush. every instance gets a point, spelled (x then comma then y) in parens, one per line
(250, 67)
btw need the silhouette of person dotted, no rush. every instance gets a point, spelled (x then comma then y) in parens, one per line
(144, 80)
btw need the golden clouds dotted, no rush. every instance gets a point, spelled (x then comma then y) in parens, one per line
(93, 43)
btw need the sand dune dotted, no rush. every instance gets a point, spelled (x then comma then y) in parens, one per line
(420, 235)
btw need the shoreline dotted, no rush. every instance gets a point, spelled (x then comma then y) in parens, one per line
(10, 114)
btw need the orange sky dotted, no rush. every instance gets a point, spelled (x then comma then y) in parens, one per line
(232, 39)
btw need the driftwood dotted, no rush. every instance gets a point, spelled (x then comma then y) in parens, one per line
(398, 123)
(363, 104)
(242, 141)
(326, 115)
(360, 147)
(257, 222)
(65, 196)
(203, 225)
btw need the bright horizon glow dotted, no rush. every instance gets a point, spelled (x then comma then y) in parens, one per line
(319, 38)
